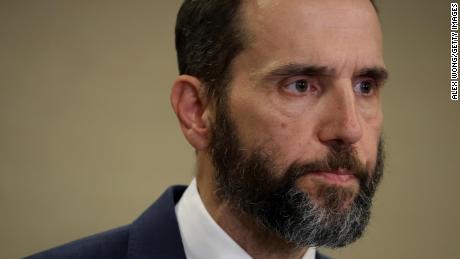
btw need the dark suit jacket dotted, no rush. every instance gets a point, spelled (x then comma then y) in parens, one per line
(155, 234)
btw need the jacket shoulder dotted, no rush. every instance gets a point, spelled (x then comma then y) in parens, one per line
(109, 244)
(321, 256)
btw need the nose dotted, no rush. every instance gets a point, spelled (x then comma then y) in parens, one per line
(341, 124)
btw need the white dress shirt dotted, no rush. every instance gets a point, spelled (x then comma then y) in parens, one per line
(202, 237)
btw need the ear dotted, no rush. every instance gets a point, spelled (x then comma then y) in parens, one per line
(189, 104)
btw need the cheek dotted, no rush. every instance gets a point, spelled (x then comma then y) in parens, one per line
(370, 141)
(370, 110)
(283, 138)
(262, 124)
(256, 126)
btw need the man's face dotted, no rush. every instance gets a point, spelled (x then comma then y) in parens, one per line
(296, 141)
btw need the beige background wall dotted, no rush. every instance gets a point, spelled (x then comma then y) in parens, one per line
(88, 139)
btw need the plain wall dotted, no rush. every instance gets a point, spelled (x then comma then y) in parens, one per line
(88, 139)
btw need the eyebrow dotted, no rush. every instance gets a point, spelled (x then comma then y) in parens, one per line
(300, 69)
(377, 73)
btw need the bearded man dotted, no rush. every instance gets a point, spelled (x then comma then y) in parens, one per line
(281, 101)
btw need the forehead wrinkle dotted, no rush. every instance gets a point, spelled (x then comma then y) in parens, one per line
(334, 10)
(261, 20)
(263, 17)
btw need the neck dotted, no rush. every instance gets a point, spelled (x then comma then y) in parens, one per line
(255, 239)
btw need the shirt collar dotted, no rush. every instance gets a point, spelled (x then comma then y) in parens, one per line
(201, 236)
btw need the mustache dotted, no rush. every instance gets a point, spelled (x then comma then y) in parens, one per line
(342, 159)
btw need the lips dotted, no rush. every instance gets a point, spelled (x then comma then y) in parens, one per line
(335, 177)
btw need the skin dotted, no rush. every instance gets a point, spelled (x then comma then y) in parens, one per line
(344, 37)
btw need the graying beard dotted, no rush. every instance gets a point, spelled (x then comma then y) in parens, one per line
(290, 213)
(322, 226)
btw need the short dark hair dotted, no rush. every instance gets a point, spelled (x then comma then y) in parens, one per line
(208, 38)
(209, 35)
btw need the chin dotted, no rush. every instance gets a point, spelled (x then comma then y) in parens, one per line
(336, 197)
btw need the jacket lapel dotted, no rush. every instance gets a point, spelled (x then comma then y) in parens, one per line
(155, 234)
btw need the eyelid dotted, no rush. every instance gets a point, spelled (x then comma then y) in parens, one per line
(377, 82)
(289, 80)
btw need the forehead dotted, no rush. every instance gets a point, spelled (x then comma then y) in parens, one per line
(343, 35)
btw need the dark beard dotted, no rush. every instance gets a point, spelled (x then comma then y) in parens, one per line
(247, 180)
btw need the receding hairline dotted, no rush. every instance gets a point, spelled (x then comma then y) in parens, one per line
(242, 21)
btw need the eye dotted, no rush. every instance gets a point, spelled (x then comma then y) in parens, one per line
(299, 86)
(365, 87)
